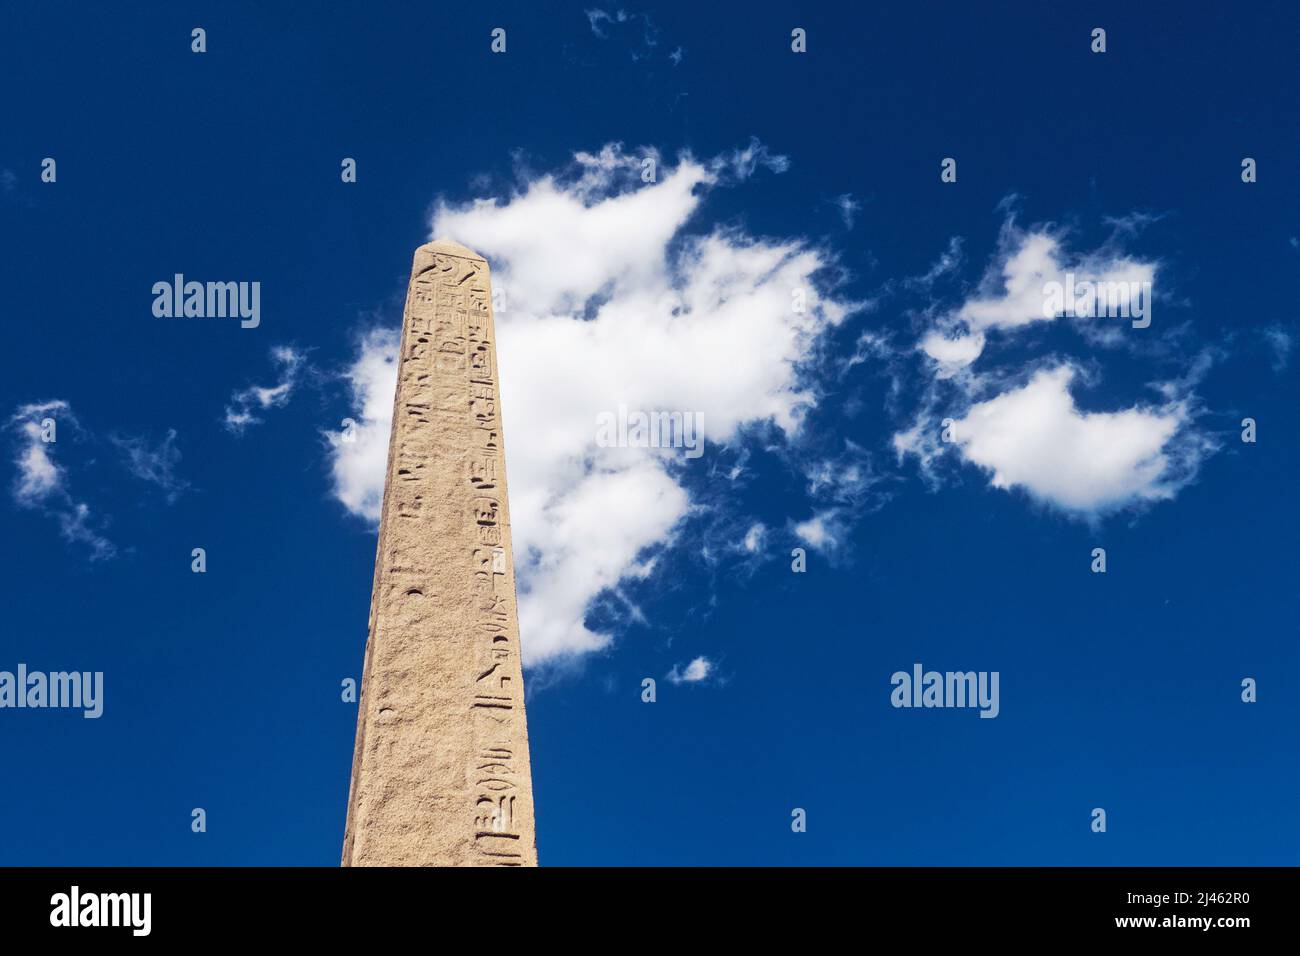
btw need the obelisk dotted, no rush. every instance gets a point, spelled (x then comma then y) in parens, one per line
(440, 774)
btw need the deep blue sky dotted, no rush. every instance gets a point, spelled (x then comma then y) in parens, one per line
(1119, 691)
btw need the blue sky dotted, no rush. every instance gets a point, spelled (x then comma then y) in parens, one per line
(774, 171)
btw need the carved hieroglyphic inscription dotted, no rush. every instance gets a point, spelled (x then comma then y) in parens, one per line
(440, 774)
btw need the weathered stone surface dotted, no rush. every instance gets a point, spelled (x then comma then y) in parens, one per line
(441, 775)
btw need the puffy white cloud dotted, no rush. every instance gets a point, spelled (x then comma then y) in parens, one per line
(38, 476)
(695, 672)
(954, 353)
(609, 301)
(245, 403)
(821, 531)
(1030, 434)
(360, 455)
(1035, 438)
(582, 539)
(560, 243)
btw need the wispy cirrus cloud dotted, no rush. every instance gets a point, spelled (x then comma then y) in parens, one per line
(644, 34)
(1014, 293)
(153, 462)
(842, 487)
(248, 403)
(42, 484)
(1280, 340)
(848, 209)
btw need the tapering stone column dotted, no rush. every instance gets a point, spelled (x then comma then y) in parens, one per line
(440, 774)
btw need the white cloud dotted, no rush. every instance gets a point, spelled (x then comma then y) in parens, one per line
(1014, 293)
(39, 478)
(1280, 342)
(1030, 434)
(599, 19)
(821, 531)
(245, 403)
(76, 526)
(153, 463)
(954, 353)
(843, 487)
(695, 672)
(360, 462)
(755, 537)
(848, 207)
(608, 301)
(38, 475)
(745, 162)
(1035, 438)
(643, 35)
(42, 484)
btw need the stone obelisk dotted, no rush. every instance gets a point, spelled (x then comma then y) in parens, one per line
(440, 774)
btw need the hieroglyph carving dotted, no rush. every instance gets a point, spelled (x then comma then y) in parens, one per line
(440, 773)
